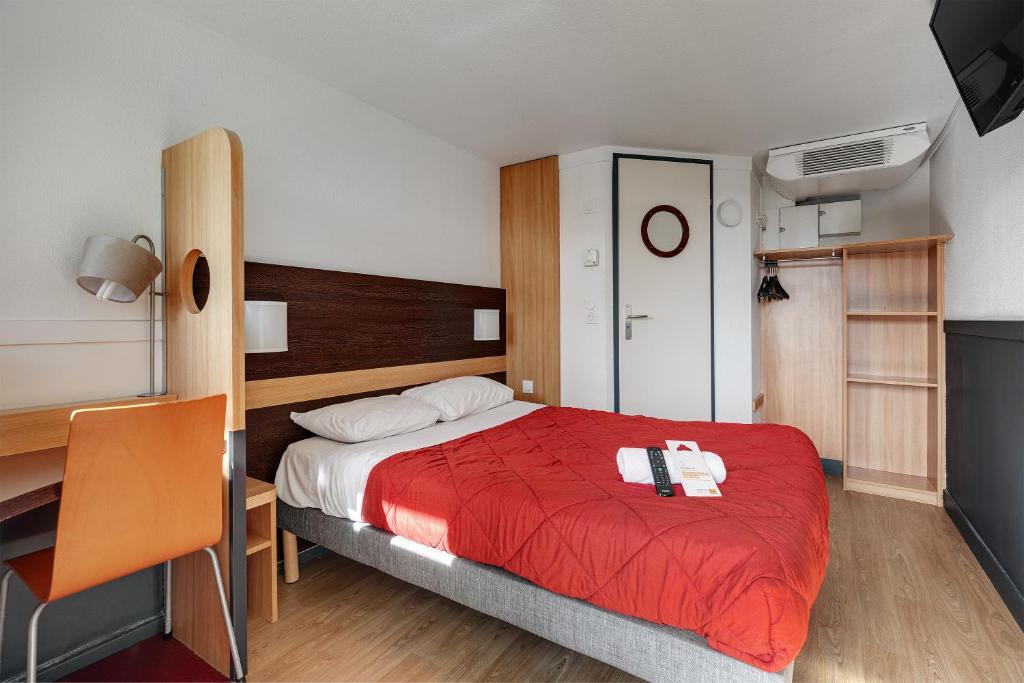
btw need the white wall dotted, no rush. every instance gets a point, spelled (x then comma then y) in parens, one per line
(977, 193)
(901, 211)
(585, 184)
(90, 93)
(756, 208)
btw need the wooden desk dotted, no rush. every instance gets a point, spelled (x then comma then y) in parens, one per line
(30, 480)
(33, 446)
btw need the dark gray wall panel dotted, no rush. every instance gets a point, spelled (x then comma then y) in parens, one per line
(985, 446)
(79, 629)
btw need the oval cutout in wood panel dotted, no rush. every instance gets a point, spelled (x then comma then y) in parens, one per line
(194, 284)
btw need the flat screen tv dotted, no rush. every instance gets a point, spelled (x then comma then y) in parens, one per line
(983, 44)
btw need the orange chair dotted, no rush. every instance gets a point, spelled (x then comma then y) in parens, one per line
(142, 486)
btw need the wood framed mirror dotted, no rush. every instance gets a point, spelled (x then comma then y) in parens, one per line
(665, 231)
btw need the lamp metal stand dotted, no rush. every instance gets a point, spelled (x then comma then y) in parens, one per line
(153, 294)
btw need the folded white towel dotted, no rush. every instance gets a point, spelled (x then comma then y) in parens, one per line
(635, 468)
(716, 466)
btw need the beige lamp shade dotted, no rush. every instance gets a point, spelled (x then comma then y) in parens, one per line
(115, 269)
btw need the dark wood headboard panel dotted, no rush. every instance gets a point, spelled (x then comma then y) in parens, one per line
(350, 321)
(341, 322)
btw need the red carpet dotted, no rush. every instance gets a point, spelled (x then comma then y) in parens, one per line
(154, 659)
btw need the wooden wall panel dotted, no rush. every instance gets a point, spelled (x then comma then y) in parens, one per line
(203, 189)
(802, 354)
(530, 276)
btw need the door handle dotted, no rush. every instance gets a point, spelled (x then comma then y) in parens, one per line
(629, 323)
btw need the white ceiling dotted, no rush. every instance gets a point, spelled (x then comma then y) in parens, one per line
(512, 81)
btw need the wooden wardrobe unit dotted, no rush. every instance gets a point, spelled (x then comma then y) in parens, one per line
(856, 359)
(530, 277)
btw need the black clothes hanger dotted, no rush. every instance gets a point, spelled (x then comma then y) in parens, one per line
(771, 289)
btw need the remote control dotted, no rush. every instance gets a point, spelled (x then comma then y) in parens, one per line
(662, 480)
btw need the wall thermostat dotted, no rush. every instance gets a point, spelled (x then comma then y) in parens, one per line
(590, 257)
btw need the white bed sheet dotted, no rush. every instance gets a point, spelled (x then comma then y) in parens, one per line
(332, 476)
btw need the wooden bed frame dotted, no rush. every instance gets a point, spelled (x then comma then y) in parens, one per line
(351, 336)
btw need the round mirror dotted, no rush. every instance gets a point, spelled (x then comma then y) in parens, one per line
(665, 231)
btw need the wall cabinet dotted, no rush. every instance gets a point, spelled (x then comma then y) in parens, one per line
(798, 226)
(839, 219)
(801, 226)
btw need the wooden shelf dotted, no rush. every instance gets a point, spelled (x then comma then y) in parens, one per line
(892, 484)
(255, 543)
(258, 493)
(885, 246)
(892, 314)
(893, 380)
(261, 547)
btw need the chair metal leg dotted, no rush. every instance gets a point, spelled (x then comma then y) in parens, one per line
(30, 660)
(239, 674)
(4, 582)
(167, 600)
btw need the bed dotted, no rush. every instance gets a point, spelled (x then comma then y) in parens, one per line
(548, 484)
(519, 512)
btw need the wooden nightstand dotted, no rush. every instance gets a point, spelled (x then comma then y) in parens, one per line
(261, 547)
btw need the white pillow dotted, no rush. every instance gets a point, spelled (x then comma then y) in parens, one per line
(461, 396)
(366, 419)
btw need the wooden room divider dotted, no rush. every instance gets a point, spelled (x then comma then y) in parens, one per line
(203, 236)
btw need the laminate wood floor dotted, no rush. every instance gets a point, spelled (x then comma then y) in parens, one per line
(904, 600)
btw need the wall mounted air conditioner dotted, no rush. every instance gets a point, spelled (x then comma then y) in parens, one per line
(848, 165)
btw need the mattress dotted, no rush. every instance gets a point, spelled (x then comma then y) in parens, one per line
(331, 476)
(540, 496)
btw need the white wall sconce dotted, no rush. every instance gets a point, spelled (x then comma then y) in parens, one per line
(266, 326)
(486, 324)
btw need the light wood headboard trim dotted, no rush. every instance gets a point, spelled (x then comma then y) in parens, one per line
(283, 390)
(23, 430)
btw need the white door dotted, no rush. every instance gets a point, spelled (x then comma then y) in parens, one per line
(798, 226)
(664, 319)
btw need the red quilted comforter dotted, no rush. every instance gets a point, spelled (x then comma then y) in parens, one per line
(541, 497)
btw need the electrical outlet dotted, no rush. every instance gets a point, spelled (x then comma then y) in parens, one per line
(527, 386)
(590, 317)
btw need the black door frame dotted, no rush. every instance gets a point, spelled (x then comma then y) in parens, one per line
(615, 259)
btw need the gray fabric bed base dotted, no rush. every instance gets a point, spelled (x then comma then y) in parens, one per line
(644, 649)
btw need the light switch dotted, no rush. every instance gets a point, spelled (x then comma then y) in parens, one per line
(590, 257)
(589, 203)
(527, 386)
